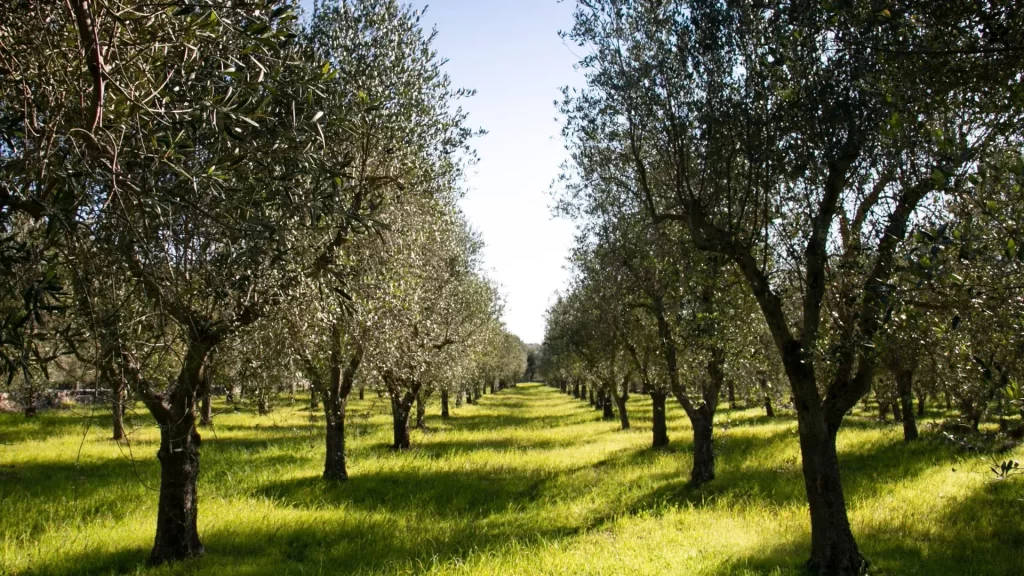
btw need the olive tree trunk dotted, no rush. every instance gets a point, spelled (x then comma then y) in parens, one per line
(606, 405)
(177, 537)
(660, 424)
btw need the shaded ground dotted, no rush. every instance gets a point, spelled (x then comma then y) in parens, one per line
(528, 482)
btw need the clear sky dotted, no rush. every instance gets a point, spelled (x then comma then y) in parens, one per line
(510, 52)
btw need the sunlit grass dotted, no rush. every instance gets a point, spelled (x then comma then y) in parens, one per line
(528, 482)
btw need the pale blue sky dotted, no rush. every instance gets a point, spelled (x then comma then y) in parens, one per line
(510, 52)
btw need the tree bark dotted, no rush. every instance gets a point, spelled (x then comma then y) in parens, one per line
(458, 399)
(118, 388)
(905, 387)
(921, 404)
(400, 418)
(31, 403)
(177, 537)
(606, 405)
(703, 449)
(314, 400)
(766, 392)
(444, 405)
(660, 424)
(335, 400)
(362, 393)
(620, 404)
(833, 548)
(206, 408)
(335, 461)
(421, 412)
(731, 386)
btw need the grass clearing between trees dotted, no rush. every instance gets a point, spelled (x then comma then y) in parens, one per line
(530, 481)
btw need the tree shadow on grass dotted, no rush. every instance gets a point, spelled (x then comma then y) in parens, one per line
(866, 473)
(16, 428)
(438, 493)
(125, 560)
(981, 536)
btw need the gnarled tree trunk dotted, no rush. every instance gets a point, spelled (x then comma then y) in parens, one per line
(177, 537)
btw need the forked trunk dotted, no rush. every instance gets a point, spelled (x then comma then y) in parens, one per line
(401, 409)
(336, 403)
(177, 537)
(660, 424)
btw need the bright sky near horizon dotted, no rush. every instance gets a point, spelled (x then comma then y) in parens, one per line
(511, 54)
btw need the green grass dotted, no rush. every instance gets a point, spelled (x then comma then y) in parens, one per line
(528, 482)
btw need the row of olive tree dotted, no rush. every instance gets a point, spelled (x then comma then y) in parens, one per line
(194, 192)
(777, 157)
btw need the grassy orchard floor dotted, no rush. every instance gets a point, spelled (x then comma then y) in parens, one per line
(528, 482)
